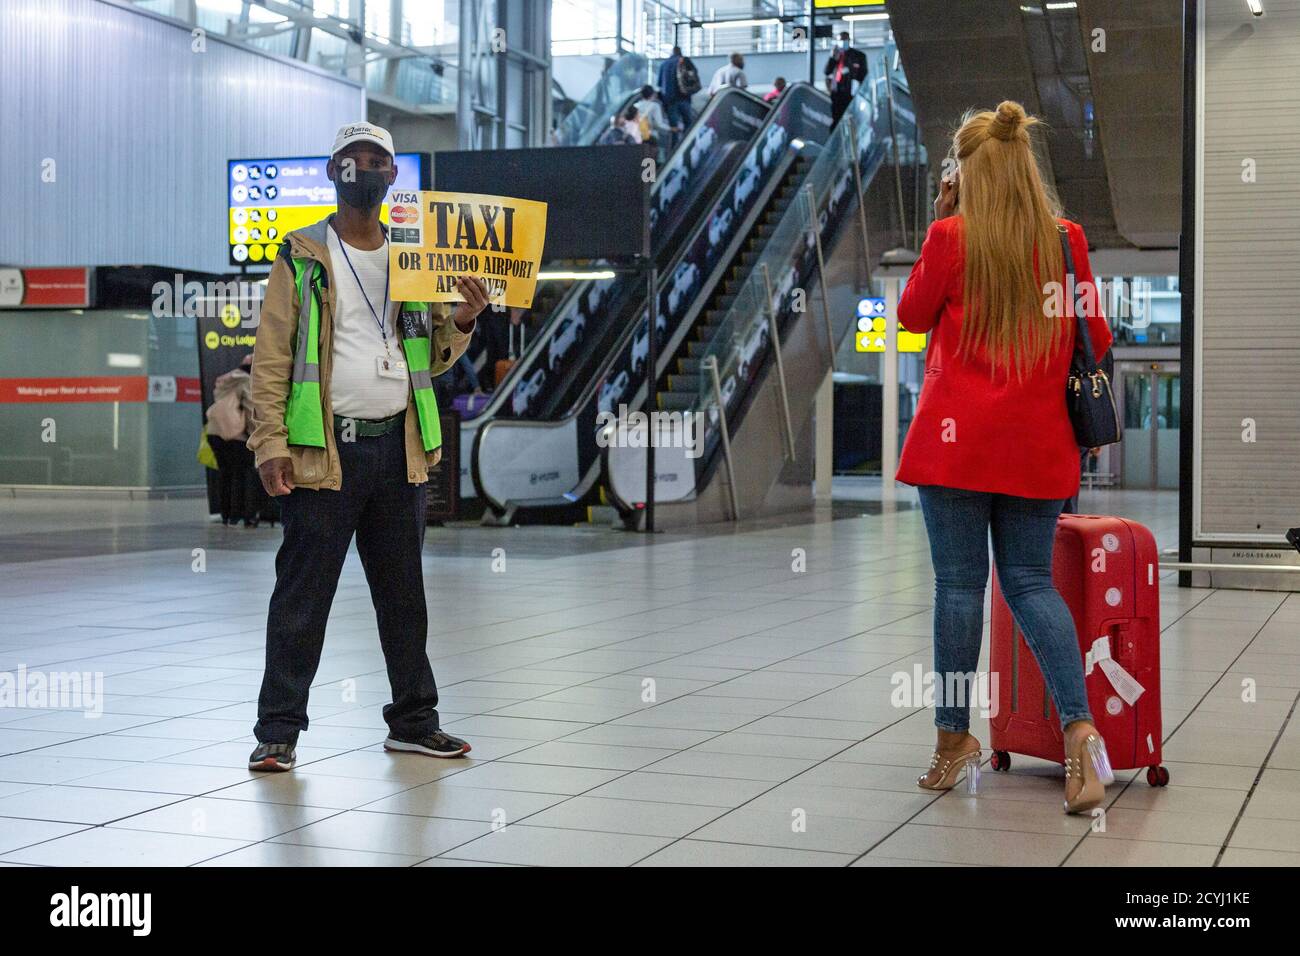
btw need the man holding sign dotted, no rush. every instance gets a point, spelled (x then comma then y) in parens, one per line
(345, 430)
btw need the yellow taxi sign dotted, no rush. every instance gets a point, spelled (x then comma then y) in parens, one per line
(434, 237)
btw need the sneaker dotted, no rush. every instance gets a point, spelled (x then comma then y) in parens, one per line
(273, 757)
(437, 744)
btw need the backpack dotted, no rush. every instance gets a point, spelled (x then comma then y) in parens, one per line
(688, 77)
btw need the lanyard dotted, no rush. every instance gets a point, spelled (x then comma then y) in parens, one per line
(383, 330)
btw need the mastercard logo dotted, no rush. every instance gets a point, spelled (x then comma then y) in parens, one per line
(404, 214)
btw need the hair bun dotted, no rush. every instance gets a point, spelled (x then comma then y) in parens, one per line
(1007, 120)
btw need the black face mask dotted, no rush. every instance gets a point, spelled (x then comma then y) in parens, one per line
(366, 191)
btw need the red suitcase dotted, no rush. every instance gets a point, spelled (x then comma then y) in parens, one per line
(1107, 570)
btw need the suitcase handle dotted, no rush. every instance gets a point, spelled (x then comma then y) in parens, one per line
(1120, 632)
(1107, 653)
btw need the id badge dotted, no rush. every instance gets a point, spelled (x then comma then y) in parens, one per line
(390, 367)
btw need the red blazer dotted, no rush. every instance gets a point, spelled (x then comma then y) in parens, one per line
(974, 431)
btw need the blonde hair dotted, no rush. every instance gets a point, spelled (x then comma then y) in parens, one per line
(1007, 213)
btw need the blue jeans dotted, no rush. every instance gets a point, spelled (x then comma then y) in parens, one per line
(679, 114)
(1024, 530)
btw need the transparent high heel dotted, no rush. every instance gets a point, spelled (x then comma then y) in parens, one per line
(950, 771)
(1090, 767)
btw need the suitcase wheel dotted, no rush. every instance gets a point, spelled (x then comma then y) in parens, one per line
(1002, 761)
(1158, 776)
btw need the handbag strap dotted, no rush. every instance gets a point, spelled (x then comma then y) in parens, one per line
(1083, 338)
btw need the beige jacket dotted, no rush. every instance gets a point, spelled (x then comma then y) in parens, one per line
(273, 369)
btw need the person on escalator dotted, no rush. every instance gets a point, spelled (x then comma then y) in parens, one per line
(845, 71)
(778, 87)
(655, 127)
(624, 129)
(991, 447)
(679, 80)
(731, 73)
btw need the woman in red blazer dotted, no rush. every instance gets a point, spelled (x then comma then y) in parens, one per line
(991, 448)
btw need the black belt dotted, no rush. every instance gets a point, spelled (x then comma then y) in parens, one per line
(369, 429)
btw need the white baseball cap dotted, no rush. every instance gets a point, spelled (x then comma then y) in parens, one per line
(363, 133)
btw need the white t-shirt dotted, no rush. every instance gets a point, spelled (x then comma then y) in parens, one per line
(356, 388)
(728, 75)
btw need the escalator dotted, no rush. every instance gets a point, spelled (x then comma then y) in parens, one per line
(548, 456)
(591, 315)
(619, 85)
(734, 421)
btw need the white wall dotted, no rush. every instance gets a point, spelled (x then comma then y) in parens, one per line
(1247, 337)
(139, 128)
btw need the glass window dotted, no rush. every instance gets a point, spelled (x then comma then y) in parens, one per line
(430, 23)
(1143, 310)
(379, 18)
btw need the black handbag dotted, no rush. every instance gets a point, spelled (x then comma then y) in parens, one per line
(1088, 395)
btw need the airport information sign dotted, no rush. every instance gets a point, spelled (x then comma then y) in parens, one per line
(270, 198)
(871, 329)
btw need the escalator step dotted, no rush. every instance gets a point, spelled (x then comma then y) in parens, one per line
(695, 349)
(688, 366)
(677, 401)
(684, 383)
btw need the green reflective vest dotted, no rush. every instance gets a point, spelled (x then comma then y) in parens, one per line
(304, 415)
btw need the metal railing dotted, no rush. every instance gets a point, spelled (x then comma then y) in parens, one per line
(294, 29)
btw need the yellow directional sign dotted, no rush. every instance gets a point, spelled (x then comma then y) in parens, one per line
(871, 337)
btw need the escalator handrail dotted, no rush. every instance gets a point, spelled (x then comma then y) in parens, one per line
(591, 103)
(835, 155)
(832, 157)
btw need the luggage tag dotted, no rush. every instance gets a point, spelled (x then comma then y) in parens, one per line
(1125, 684)
(390, 367)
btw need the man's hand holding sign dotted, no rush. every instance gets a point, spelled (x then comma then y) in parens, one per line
(474, 298)
(439, 237)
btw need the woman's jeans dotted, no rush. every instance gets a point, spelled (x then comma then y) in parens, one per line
(1024, 530)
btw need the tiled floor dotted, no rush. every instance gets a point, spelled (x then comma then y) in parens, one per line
(694, 700)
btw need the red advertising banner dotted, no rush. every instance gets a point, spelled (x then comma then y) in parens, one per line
(64, 287)
(188, 389)
(102, 388)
